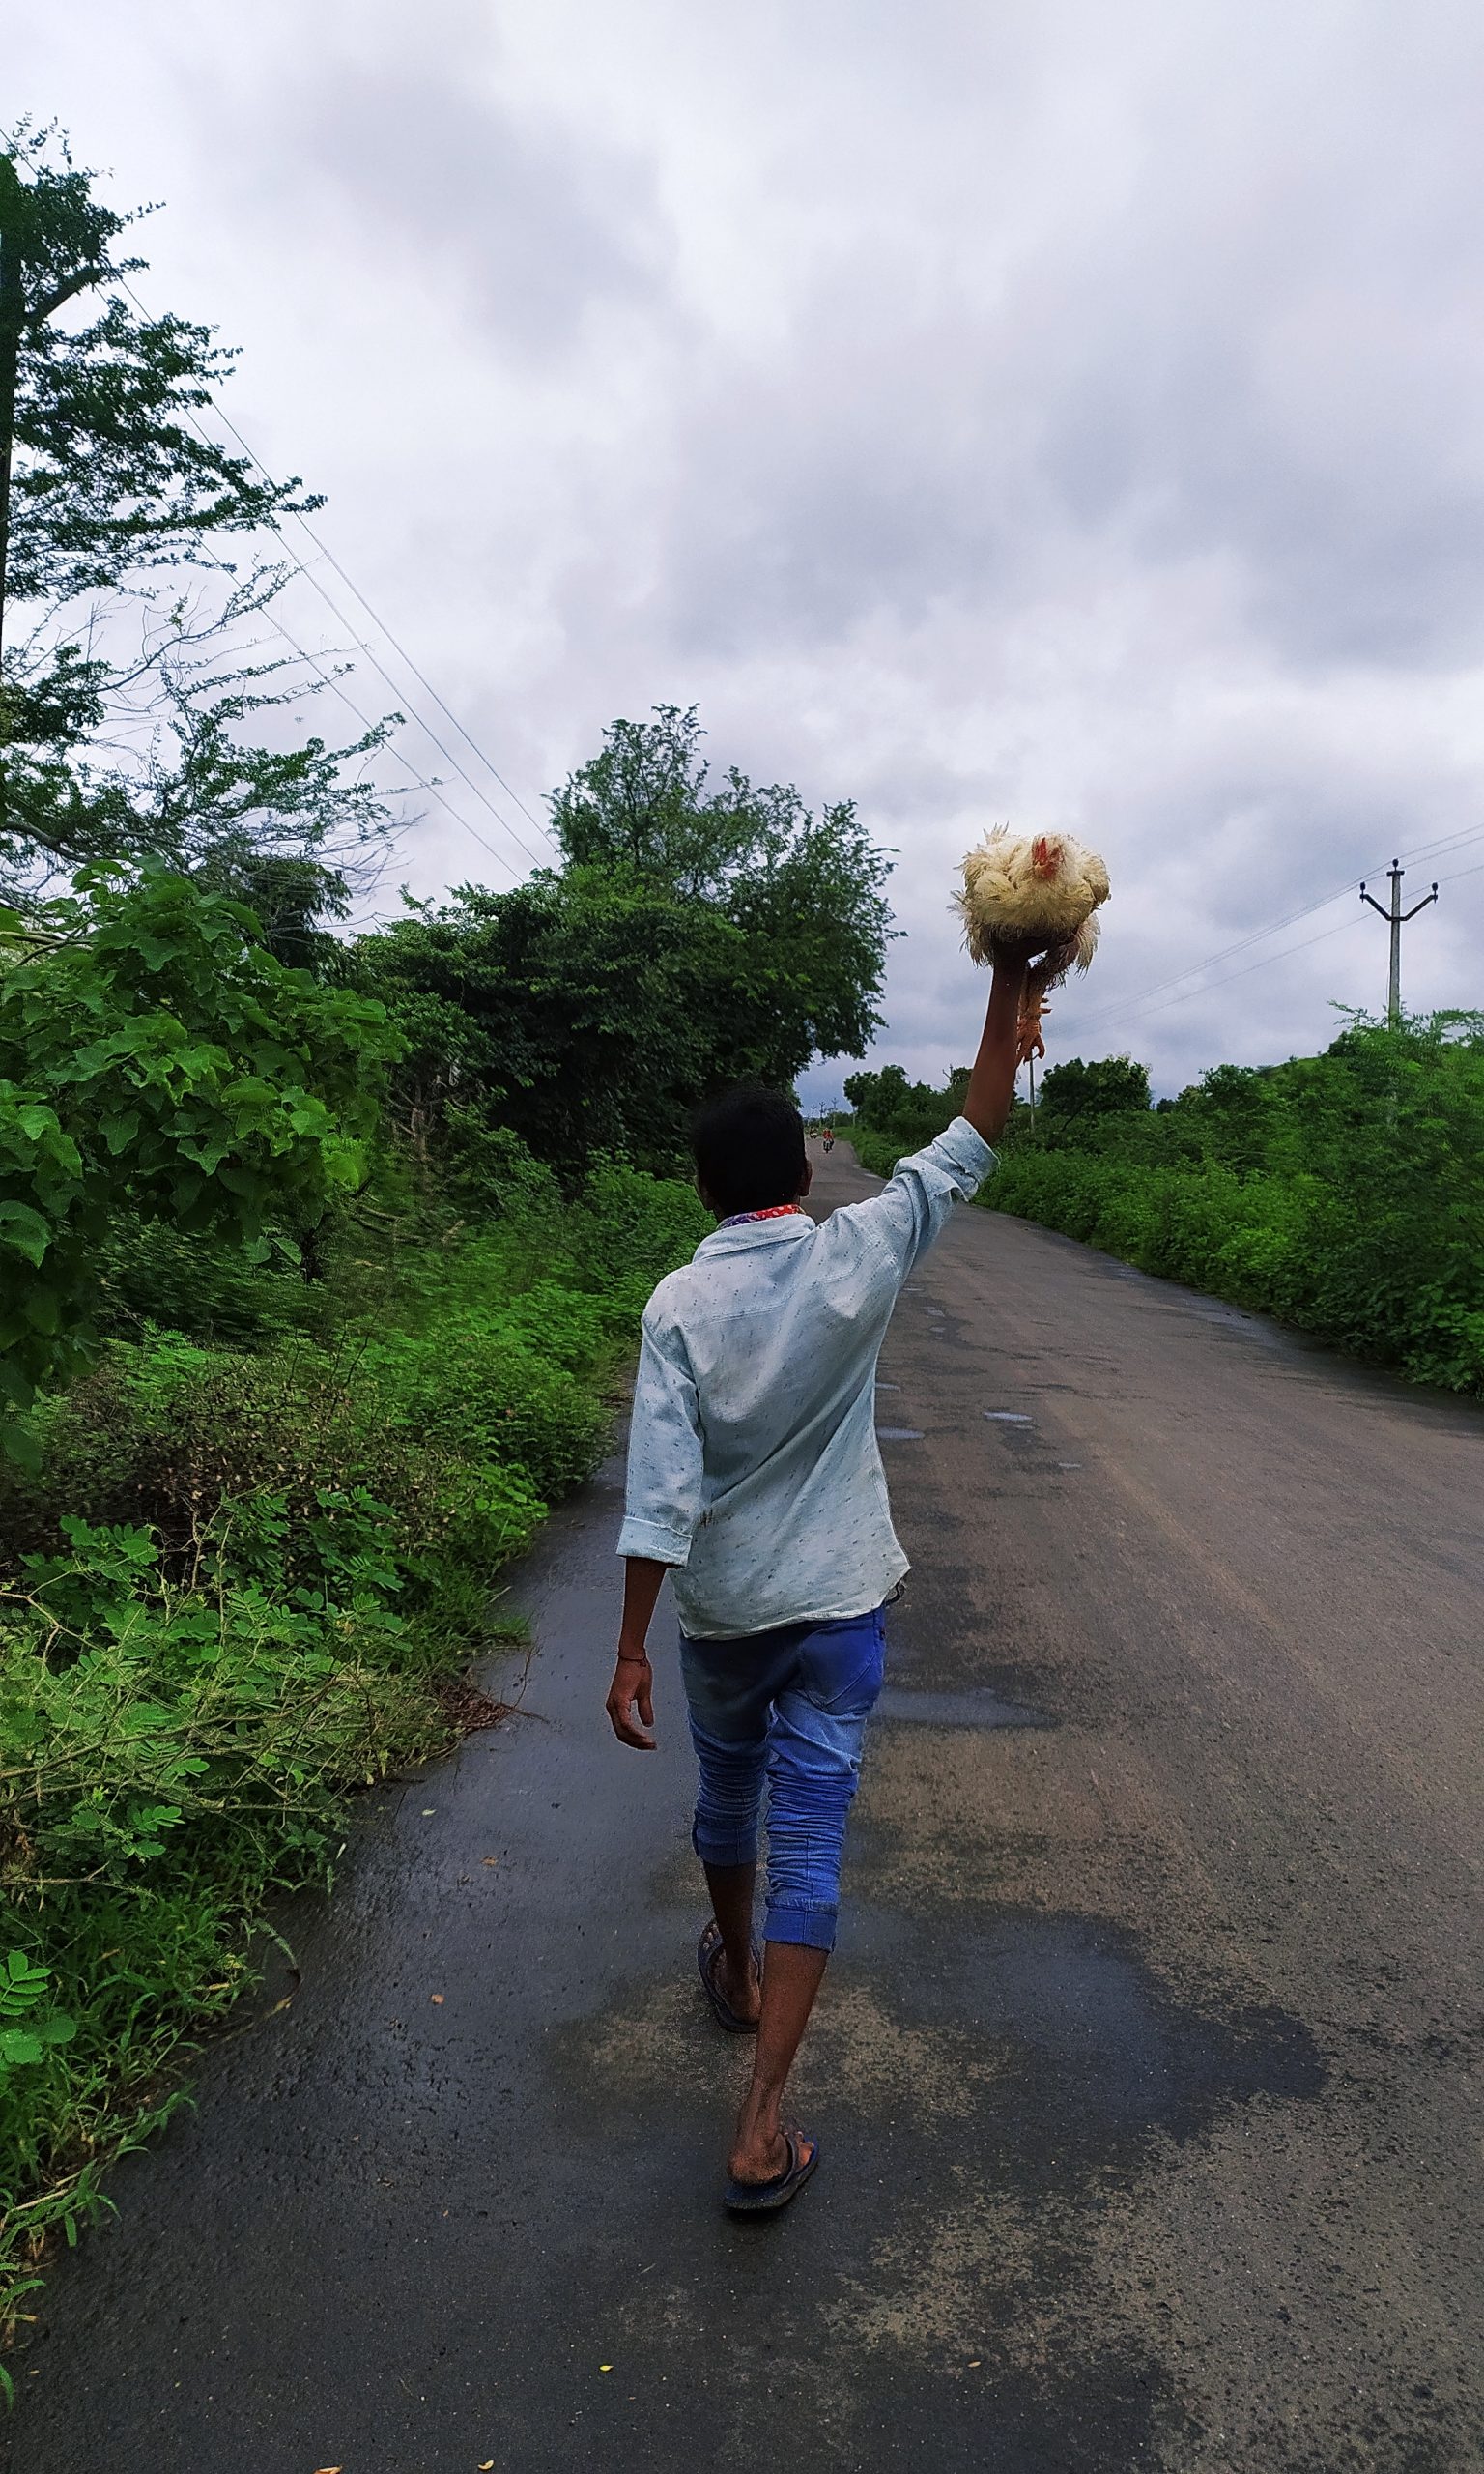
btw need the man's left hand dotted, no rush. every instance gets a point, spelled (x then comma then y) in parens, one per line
(632, 1688)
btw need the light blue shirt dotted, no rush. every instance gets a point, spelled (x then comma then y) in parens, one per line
(753, 1460)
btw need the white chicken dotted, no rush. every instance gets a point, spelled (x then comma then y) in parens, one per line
(1038, 894)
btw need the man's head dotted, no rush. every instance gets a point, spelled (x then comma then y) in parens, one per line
(748, 1152)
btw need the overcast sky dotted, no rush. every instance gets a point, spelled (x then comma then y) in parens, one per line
(1068, 412)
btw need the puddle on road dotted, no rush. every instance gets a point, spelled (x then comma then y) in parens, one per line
(1107, 2074)
(955, 1709)
(993, 2085)
(1088, 2049)
(1107, 2047)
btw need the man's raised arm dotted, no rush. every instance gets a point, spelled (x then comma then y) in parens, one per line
(992, 1081)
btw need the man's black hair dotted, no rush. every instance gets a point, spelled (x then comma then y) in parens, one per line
(748, 1146)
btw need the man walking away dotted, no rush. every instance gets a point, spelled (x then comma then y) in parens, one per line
(756, 1481)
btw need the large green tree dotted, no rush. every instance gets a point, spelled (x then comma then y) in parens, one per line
(1106, 1087)
(807, 890)
(587, 1012)
(138, 712)
(695, 937)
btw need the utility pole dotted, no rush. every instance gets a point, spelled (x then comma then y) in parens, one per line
(1395, 918)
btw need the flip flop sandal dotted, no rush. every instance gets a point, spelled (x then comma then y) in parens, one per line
(759, 2199)
(708, 1950)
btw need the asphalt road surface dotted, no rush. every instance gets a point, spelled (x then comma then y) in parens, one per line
(1146, 2074)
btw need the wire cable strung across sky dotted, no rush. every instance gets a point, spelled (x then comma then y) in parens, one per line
(414, 779)
(1145, 1003)
(1262, 963)
(302, 568)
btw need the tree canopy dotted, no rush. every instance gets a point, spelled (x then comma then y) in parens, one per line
(136, 697)
(1106, 1087)
(809, 888)
(694, 939)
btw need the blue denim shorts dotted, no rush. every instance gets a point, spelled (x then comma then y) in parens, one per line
(788, 1708)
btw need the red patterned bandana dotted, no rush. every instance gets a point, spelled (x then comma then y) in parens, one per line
(775, 1211)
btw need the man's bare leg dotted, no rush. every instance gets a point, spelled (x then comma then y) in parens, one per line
(792, 1976)
(733, 1888)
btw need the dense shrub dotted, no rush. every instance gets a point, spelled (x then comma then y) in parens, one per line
(149, 1274)
(168, 1757)
(1344, 1192)
(481, 1387)
(229, 1576)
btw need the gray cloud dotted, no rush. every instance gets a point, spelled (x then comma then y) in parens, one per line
(530, 223)
(1071, 415)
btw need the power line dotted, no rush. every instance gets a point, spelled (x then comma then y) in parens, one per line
(1189, 995)
(445, 751)
(1275, 928)
(1396, 919)
(414, 780)
(1449, 842)
(1302, 946)
(377, 664)
(325, 552)
(1141, 1003)
(519, 839)
(400, 649)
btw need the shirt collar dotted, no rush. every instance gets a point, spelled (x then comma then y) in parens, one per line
(757, 1232)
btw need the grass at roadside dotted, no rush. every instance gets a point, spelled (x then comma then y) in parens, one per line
(248, 1550)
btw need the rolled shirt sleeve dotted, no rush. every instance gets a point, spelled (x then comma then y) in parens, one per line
(662, 1497)
(916, 1201)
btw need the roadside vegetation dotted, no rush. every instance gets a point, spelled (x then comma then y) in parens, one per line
(320, 1257)
(1343, 1192)
(252, 1520)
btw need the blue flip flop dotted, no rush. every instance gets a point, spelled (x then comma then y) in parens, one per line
(707, 1952)
(759, 2199)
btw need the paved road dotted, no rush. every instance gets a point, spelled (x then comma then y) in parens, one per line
(1146, 2074)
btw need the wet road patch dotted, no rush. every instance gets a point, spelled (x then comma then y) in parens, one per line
(998, 2248)
(900, 1434)
(976, 1708)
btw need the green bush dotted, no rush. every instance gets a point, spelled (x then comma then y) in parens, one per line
(875, 1151)
(154, 1276)
(168, 1757)
(477, 1387)
(233, 1572)
(1344, 1192)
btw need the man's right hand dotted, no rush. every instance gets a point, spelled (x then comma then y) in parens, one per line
(993, 1080)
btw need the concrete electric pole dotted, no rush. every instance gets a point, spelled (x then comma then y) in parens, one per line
(1394, 918)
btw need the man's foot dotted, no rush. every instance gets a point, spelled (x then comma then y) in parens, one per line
(794, 2156)
(760, 2155)
(736, 1999)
